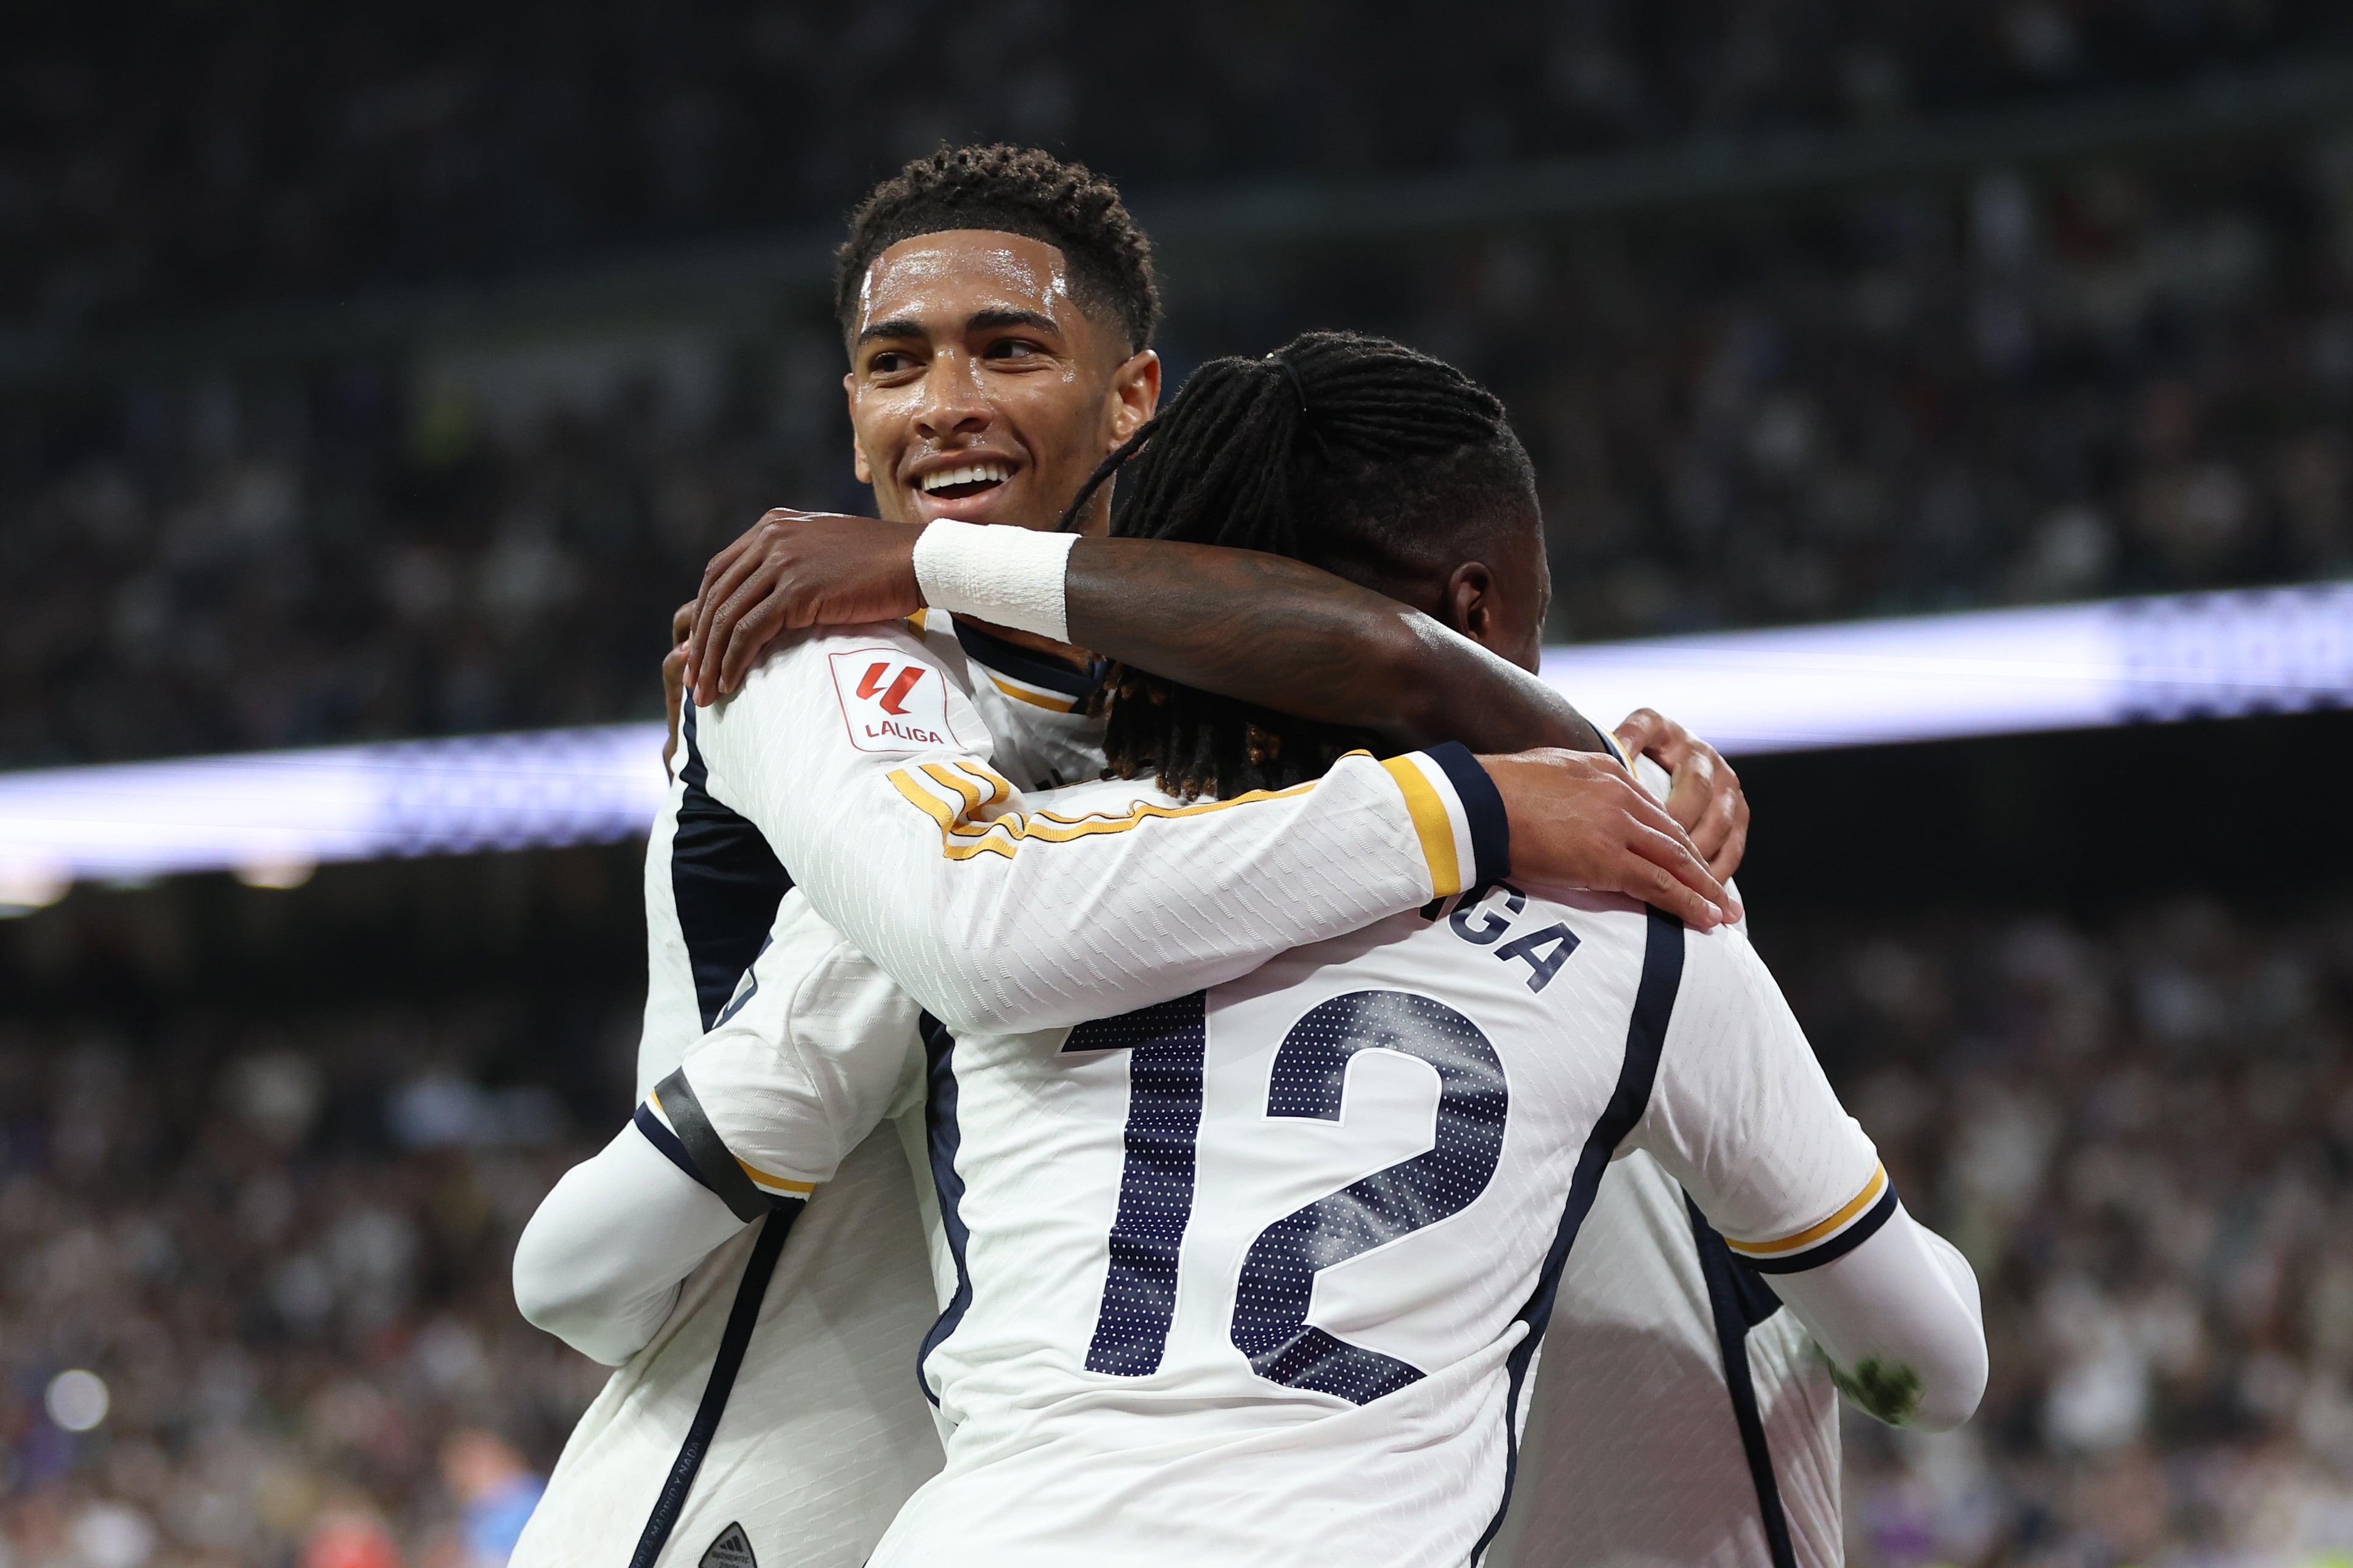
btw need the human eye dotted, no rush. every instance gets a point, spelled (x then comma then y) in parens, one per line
(886, 363)
(1012, 348)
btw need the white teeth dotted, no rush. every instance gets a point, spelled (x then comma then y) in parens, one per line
(942, 480)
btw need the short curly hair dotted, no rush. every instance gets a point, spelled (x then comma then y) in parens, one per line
(1014, 190)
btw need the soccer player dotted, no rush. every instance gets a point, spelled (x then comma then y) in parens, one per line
(770, 1406)
(1185, 1324)
(1684, 1416)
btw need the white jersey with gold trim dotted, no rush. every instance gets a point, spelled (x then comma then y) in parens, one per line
(822, 1431)
(1258, 1275)
(1641, 1450)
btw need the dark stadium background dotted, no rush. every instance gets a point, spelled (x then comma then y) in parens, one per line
(390, 372)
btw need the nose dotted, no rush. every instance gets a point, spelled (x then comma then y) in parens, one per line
(951, 401)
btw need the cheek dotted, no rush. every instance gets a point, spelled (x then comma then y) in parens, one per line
(1055, 419)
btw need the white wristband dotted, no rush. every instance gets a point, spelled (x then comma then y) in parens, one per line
(993, 571)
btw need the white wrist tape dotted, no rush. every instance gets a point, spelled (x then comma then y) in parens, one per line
(993, 571)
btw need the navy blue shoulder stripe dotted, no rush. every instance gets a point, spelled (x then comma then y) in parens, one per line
(1738, 1300)
(1021, 663)
(944, 1137)
(1483, 807)
(724, 879)
(1646, 1036)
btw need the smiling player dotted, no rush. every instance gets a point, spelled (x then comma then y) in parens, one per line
(1373, 1421)
(769, 1416)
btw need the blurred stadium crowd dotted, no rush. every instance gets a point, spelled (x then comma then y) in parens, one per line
(282, 1247)
(282, 1251)
(184, 161)
(289, 1266)
(2123, 377)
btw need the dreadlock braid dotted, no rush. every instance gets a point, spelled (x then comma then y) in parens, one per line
(1355, 453)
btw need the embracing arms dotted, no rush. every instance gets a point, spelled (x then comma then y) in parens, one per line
(1239, 623)
(866, 768)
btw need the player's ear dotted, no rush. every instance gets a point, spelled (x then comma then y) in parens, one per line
(1471, 606)
(857, 464)
(1136, 393)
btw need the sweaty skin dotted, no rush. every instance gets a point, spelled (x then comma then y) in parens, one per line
(969, 350)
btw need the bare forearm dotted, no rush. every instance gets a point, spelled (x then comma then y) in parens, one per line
(1302, 641)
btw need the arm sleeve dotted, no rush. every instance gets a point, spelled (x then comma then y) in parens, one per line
(1900, 1320)
(815, 1049)
(1742, 1115)
(599, 1264)
(868, 770)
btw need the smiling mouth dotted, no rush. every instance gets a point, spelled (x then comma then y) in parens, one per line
(954, 484)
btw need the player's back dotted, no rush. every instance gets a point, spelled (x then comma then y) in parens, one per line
(1682, 1412)
(1250, 1275)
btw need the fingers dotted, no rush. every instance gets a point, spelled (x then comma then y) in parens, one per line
(1692, 798)
(742, 555)
(734, 550)
(1707, 786)
(720, 606)
(1673, 858)
(682, 623)
(674, 692)
(1726, 859)
(750, 636)
(1641, 730)
(1665, 891)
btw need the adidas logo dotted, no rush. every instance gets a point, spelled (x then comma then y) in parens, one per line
(732, 1550)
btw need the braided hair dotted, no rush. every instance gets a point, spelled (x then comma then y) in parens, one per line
(1012, 190)
(1353, 453)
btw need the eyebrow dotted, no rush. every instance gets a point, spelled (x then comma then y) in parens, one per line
(899, 328)
(979, 321)
(986, 320)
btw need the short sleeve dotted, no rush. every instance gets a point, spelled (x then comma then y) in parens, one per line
(815, 1050)
(1742, 1115)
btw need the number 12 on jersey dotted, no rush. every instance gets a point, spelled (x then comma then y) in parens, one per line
(1167, 1046)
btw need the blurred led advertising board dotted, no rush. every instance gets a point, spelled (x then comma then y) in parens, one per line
(273, 817)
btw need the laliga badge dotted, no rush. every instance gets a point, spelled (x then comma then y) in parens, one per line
(892, 704)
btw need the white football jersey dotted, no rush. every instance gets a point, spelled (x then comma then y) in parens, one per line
(820, 1432)
(793, 1429)
(1640, 1449)
(1259, 1275)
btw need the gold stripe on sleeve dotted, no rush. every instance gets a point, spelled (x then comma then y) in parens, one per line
(962, 840)
(963, 786)
(777, 1183)
(1814, 1233)
(1431, 822)
(1021, 694)
(938, 810)
(999, 786)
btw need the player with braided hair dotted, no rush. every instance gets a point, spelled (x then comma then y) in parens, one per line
(997, 308)
(1682, 1414)
(1337, 448)
(1180, 1331)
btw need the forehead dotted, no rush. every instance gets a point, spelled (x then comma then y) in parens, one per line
(943, 279)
